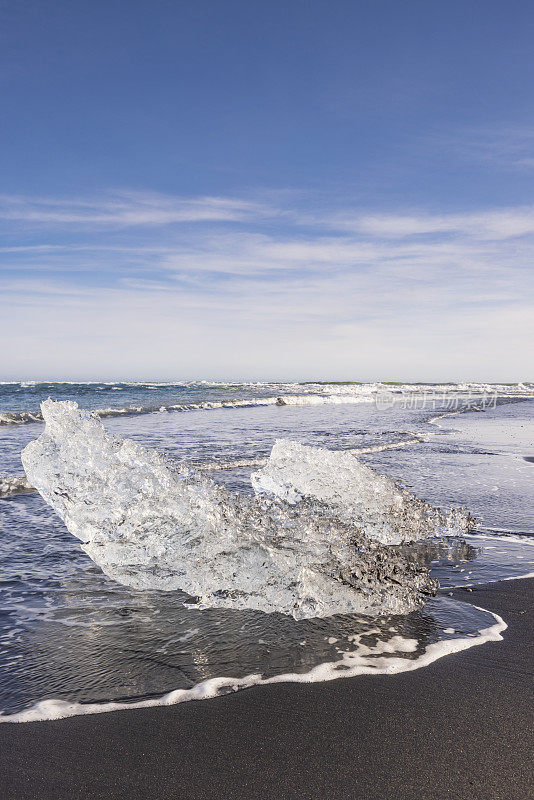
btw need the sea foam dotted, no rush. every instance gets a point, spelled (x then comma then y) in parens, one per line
(386, 657)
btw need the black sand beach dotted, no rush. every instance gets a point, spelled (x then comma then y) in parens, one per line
(461, 728)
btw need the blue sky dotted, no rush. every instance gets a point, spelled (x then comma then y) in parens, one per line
(267, 190)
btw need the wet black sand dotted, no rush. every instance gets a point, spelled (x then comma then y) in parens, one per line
(460, 728)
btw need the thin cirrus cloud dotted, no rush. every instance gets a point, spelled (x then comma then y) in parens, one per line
(498, 224)
(128, 209)
(124, 209)
(418, 248)
(250, 237)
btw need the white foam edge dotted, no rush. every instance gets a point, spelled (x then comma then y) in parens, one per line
(24, 417)
(350, 665)
(261, 461)
(500, 540)
(527, 539)
(486, 582)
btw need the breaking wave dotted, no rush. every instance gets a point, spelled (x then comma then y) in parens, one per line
(276, 394)
(320, 400)
(20, 417)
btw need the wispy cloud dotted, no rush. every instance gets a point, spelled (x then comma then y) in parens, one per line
(348, 284)
(505, 223)
(124, 209)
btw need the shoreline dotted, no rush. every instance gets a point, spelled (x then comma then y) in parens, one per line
(462, 726)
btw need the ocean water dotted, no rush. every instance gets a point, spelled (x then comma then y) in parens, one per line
(74, 641)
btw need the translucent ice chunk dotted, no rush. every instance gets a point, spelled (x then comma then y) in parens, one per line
(148, 524)
(353, 493)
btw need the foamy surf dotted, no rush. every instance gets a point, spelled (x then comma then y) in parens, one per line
(321, 400)
(21, 417)
(386, 657)
(275, 394)
(260, 461)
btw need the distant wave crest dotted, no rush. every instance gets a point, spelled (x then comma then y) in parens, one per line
(313, 394)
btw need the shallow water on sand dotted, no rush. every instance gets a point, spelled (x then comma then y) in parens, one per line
(68, 632)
